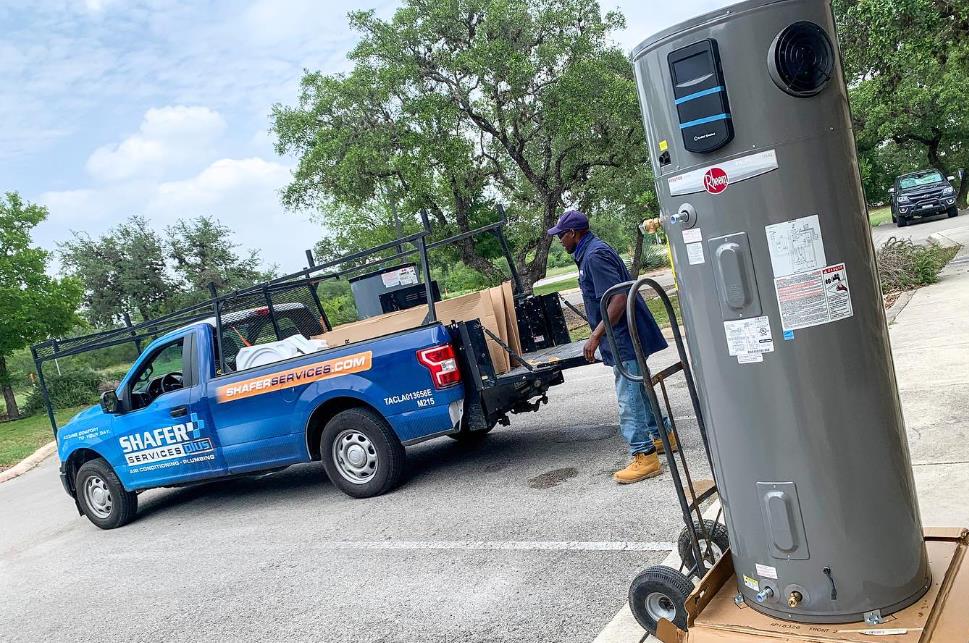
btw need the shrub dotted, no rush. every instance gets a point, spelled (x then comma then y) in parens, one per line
(654, 256)
(74, 388)
(903, 265)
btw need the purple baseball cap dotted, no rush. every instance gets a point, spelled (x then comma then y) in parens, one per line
(571, 220)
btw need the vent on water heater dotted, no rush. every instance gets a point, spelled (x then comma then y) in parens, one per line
(801, 59)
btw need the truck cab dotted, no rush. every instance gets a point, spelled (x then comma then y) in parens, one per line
(924, 193)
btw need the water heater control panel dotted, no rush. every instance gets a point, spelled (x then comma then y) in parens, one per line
(700, 96)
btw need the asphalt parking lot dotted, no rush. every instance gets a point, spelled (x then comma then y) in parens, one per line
(524, 537)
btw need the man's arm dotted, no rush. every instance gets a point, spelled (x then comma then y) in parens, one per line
(615, 310)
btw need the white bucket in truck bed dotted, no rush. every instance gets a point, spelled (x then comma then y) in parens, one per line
(262, 354)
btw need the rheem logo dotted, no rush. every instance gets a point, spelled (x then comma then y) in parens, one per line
(715, 180)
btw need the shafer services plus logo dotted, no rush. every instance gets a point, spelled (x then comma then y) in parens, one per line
(166, 443)
(715, 180)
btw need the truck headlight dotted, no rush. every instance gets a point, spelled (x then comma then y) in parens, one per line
(946, 191)
(903, 199)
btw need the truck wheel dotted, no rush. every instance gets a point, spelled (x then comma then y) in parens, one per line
(657, 593)
(361, 454)
(718, 543)
(953, 212)
(102, 497)
(901, 222)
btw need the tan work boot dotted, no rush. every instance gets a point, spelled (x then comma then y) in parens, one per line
(643, 466)
(659, 444)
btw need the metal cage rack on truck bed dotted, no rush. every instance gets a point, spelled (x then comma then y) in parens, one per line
(291, 304)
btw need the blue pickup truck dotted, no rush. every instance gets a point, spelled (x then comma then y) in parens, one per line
(186, 413)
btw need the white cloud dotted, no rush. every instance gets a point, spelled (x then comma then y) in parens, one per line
(242, 193)
(168, 137)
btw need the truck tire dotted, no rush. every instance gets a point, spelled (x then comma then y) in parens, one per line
(953, 212)
(361, 454)
(901, 221)
(102, 497)
(657, 593)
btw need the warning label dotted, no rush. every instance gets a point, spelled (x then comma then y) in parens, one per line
(747, 337)
(814, 297)
(694, 253)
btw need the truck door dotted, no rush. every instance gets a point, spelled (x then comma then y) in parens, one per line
(163, 432)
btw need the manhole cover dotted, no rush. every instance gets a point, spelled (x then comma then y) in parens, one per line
(552, 478)
(585, 434)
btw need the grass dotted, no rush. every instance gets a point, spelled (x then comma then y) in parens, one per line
(558, 286)
(20, 438)
(879, 216)
(655, 306)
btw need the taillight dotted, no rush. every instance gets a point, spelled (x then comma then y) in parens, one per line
(442, 363)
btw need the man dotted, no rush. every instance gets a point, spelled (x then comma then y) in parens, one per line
(600, 268)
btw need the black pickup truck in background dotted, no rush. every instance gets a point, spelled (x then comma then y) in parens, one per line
(924, 193)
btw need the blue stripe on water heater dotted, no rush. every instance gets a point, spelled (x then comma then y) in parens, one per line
(699, 94)
(707, 119)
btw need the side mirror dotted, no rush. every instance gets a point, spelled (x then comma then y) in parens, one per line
(110, 403)
(891, 190)
(951, 178)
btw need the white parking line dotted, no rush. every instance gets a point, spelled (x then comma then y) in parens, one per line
(516, 545)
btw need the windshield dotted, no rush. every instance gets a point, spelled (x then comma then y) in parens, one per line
(916, 180)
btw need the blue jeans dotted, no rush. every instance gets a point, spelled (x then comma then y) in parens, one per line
(636, 422)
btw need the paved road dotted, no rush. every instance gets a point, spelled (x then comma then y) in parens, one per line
(919, 230)
(513, 540)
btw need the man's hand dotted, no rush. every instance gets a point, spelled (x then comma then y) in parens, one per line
(589, 350)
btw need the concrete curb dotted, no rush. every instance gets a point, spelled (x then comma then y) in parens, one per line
(29, 462)
(941, 239)
(899, 305)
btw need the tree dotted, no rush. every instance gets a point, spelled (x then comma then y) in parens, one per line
(452, 105)
(907, 64)
(203, 253)
(123, 271)
(33, 305)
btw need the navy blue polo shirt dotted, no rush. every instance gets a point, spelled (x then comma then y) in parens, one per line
(601, 268)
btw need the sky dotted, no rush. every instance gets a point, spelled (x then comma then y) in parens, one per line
(110, 108)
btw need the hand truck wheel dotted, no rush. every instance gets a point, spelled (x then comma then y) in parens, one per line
(659, 592)
(717, 532)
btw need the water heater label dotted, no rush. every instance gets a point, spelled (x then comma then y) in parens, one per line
(795, 246)
(694, 252)
(716, 178)
(693, 235)
(814, 297)
(747, 337)
(766, 571)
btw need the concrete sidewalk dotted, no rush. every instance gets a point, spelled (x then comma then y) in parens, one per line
(930, 344)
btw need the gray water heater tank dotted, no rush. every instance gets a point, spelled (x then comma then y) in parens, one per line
(747, 119)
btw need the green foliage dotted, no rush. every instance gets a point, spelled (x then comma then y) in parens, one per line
(122, 271)
(526, 102)
(126, 270)
(203, 253)
(903, 265)
(33, 305)
(654, 257)
(76, 388)
(907, 64)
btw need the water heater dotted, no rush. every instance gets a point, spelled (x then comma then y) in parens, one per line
(749, 129)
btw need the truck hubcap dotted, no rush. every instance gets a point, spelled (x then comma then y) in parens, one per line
(98, 497)
(355, 456)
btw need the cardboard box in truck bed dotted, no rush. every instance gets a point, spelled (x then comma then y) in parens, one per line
(941, 616)
(494, 307)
